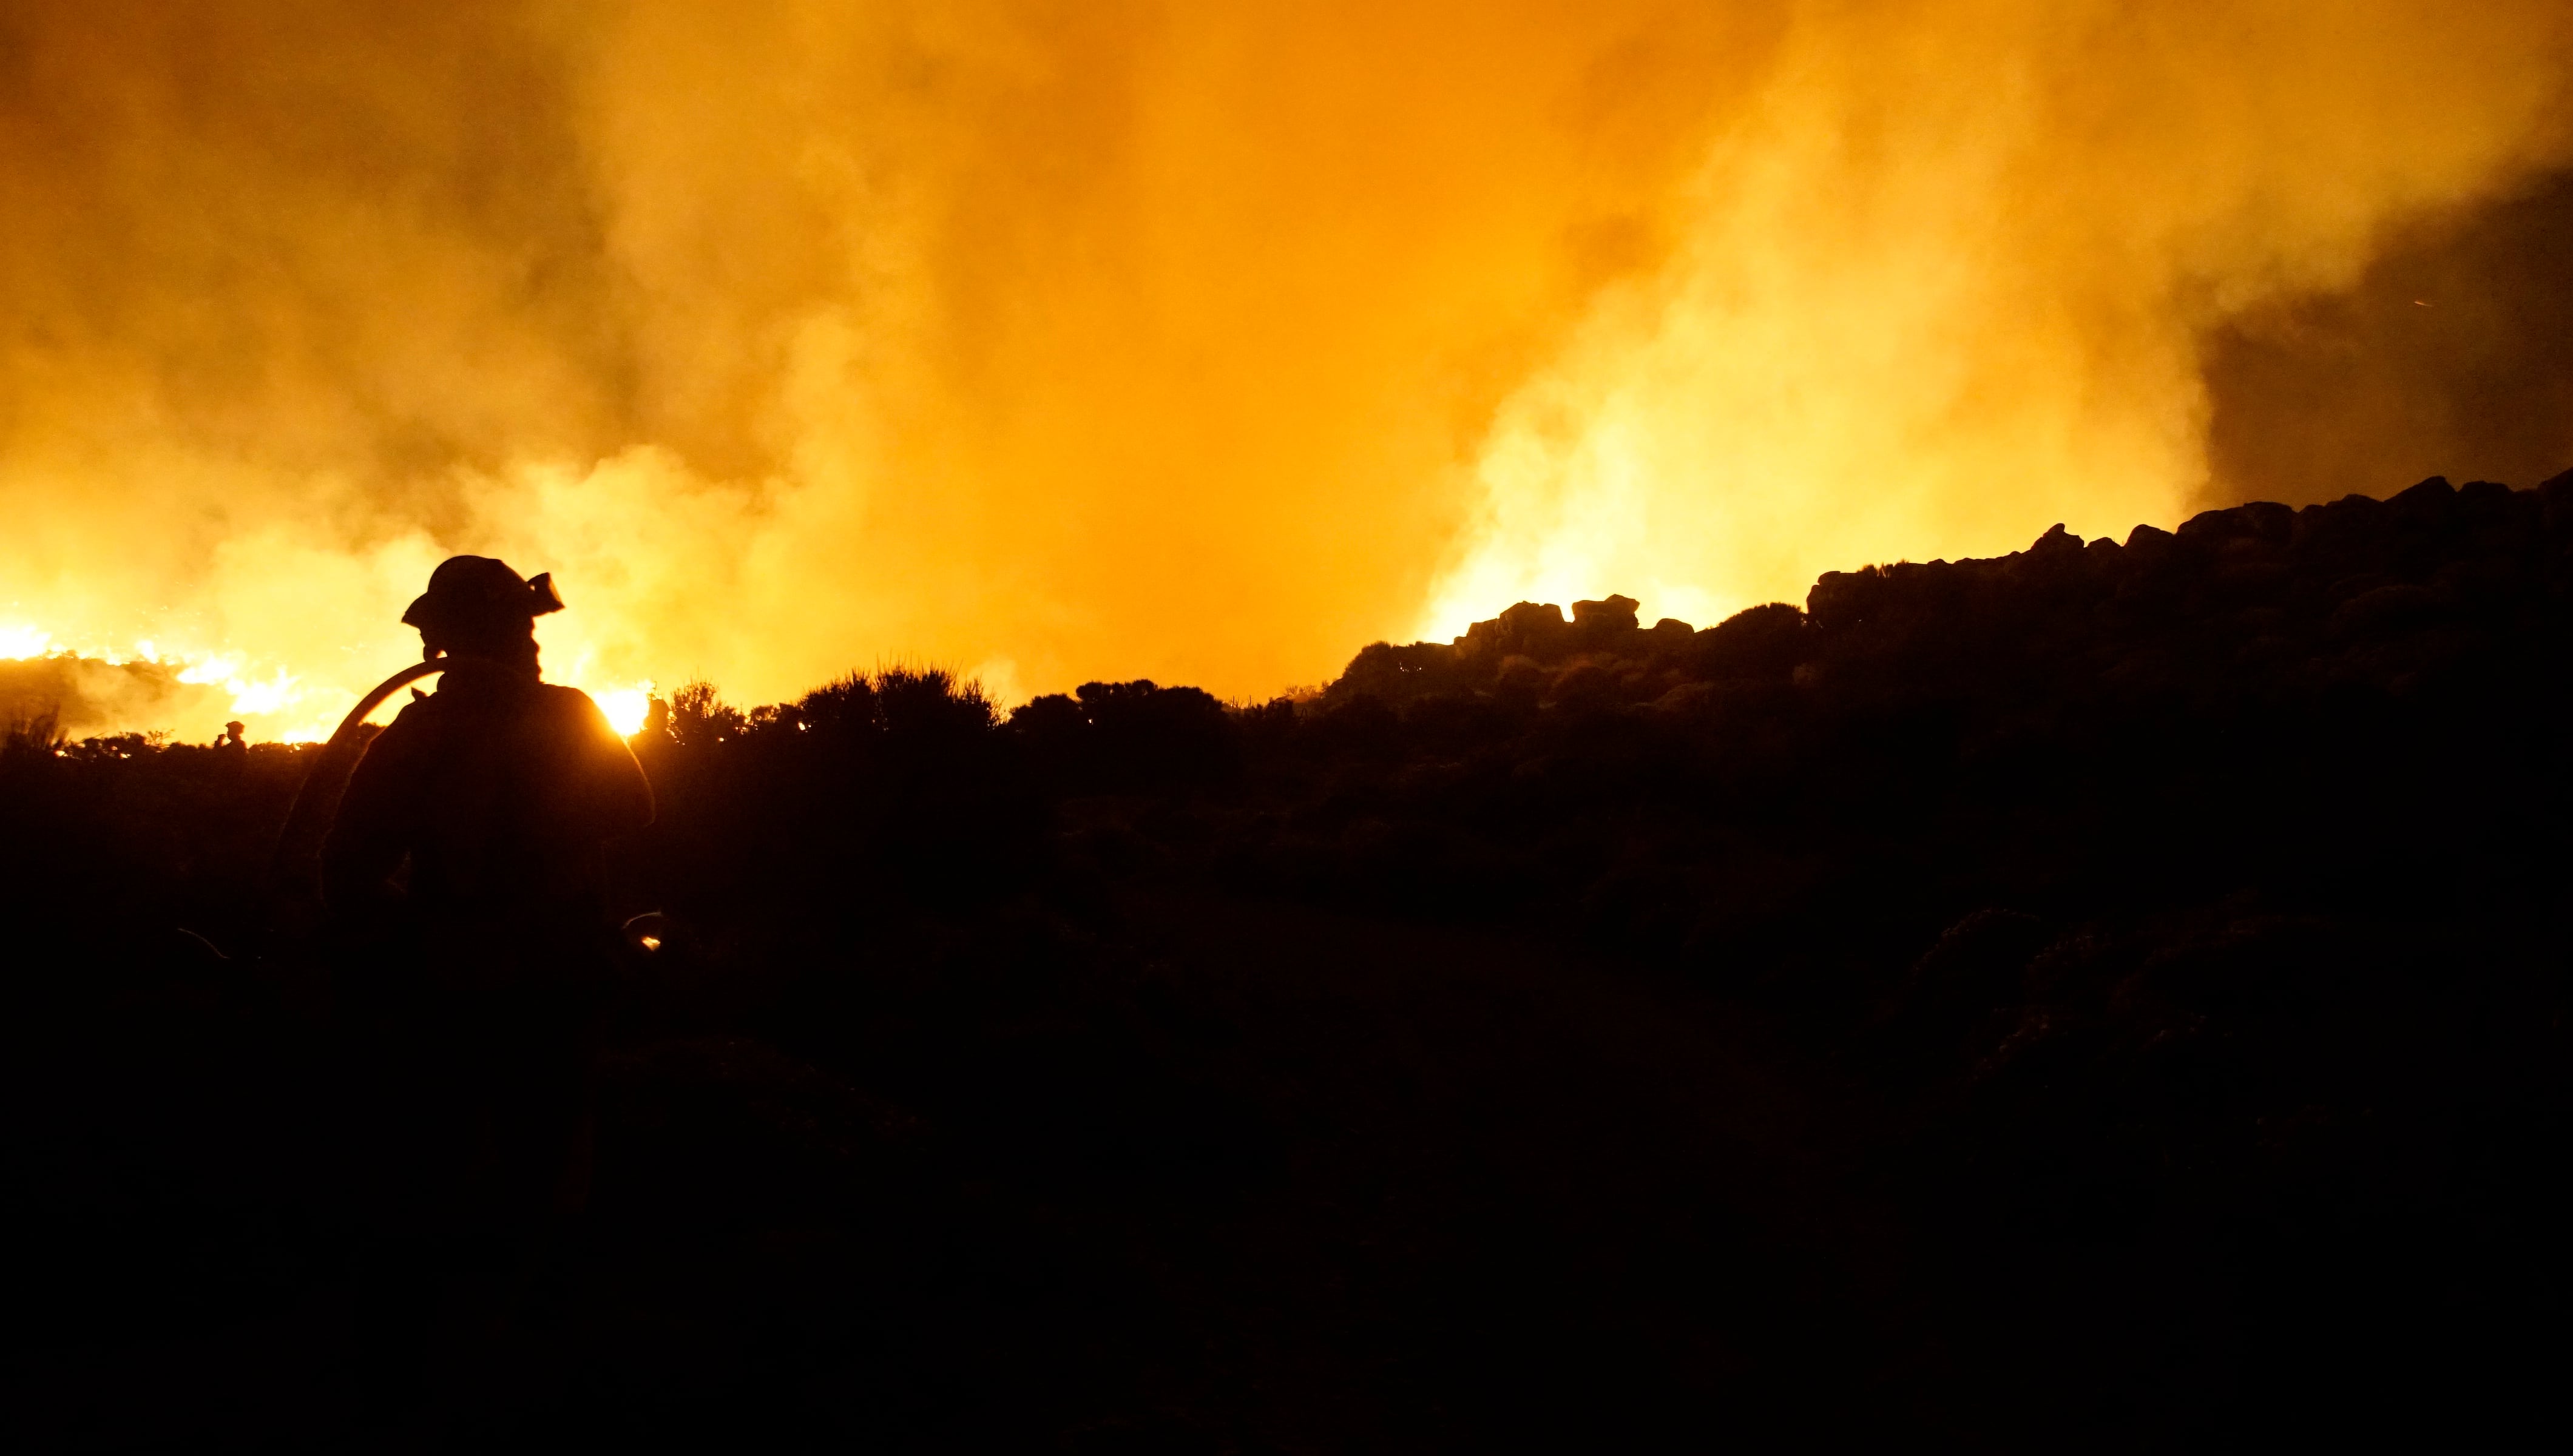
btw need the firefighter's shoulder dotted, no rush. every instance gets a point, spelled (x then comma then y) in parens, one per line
(569, 706)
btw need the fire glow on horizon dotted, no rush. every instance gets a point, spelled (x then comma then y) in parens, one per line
(1202, 343)
(276, 705)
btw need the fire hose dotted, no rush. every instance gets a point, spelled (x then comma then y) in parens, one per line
(295, 867)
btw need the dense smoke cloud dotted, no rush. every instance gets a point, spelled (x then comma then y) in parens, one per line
(1944, 280)
(1200, 342)
(2452, 353)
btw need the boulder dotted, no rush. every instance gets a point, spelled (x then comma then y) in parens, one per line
(1534, 629)
(2056, 539)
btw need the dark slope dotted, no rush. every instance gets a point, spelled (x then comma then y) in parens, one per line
(2194, 909)
(2310, 703)
(2108, 995)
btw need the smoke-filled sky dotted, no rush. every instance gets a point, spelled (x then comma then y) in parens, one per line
(1208, 341)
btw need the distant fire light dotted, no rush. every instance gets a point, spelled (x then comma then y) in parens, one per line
(626, 709)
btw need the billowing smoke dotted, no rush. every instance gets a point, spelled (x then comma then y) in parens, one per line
(1206, 342)
(1943, 283)
(2452, 353)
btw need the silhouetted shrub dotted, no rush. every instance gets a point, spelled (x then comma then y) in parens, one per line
(1129, 737)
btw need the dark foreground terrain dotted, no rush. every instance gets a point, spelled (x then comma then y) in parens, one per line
(2108, 995)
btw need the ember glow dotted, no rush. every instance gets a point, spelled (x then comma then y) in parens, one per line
(1202, 342)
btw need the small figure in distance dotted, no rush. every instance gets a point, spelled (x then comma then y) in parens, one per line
(232, 751)
(465, 875)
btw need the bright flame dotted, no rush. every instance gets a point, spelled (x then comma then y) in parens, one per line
(210, 670)
(626, 709)
(19, 641)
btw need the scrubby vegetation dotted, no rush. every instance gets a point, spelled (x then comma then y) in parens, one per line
(2106, 993)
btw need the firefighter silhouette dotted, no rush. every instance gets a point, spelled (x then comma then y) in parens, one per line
(464, 874)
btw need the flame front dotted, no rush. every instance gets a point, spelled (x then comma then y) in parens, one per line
(1202, 343)
(273, 703)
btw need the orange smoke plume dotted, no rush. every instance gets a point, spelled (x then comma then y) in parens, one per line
(1204, 342)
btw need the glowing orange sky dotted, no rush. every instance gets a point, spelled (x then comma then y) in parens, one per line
(1200, 342)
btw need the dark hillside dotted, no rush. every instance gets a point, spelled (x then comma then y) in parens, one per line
(2107, 995)
(2192, 910)
(2317, 704)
